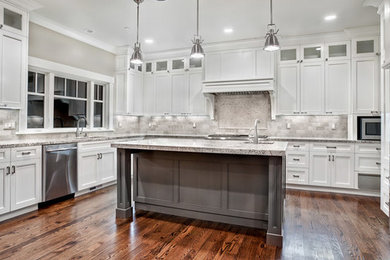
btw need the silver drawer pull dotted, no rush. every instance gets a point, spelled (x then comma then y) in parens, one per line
(378, 149)
(8, 170)
(296, 146)
(378, 163)
(26, 153)
(296, 176)
(13, 170)
(331, 147)
(296, 159)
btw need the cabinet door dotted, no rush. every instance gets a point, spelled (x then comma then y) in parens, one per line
(289, 55)
(180, 93)
(138, 94)
(12, 69)
(26, 179)
(338, 51)
(149, 96)
(386, 31)
(343, 173)
(312, 52)
(4, 188)
(163, 88)
(365, 47)
(320, 169)
(288, 89)
(197, 99)
(365, 82)
(265, 64)
(337, 86)
(312, 87)
(87, 170)
(107, 166)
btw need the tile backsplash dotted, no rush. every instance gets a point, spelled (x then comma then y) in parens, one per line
(234, 114)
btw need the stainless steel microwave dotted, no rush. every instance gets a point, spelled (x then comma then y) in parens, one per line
(369, 128)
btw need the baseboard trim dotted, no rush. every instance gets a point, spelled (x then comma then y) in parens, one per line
(333, 190)
(18, 213)
(99, 187)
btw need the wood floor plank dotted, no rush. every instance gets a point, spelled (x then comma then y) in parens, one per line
(317, 226)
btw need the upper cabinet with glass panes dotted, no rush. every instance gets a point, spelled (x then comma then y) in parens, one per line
(338, 51)
(172, 65)
(13, 19)
(365, 47)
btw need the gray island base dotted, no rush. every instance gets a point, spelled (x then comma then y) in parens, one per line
(223, 181)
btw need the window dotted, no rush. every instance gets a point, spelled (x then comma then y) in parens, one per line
(70, 102)
(36, 100)
(98, 106)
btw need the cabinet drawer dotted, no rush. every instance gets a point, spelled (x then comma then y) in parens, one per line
(367, 164)
(90, 146)
(368, 148)
(296, 159)
(297, 176)
(5, 155)
(332, 147)
(26, 153)
(294, 146)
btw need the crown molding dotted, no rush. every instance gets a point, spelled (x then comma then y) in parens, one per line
(50, 24)
(373, 3)
(27, 5)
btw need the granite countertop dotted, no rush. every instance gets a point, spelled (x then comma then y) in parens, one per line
(264, 148)
(113, 137)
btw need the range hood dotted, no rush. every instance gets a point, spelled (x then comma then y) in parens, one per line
(244, 87)
(238, 86)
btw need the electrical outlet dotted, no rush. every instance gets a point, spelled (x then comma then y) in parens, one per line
(288, 125)
(193, 125)
(10, 125)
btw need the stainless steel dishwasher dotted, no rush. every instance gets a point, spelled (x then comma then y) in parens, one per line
(59, 171)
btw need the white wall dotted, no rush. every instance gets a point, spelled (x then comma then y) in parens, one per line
(50, 45)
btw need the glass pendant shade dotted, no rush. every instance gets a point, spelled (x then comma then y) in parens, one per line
(197, 51)
(136, 58)
(271, 41)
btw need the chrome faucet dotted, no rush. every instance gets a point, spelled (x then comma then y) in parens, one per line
(78, 132)
(255, 135)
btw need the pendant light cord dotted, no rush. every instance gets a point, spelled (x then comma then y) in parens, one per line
(138, 22)
(272, 20)
(197, 18)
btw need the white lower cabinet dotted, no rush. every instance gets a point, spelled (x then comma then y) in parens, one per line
(343, 174)
(320, 169)
(96, 164)
(20, 178)
(297, 175)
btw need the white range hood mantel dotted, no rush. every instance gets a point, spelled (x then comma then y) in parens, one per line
(250, 86)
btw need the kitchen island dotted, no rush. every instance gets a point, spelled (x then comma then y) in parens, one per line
(233, 182)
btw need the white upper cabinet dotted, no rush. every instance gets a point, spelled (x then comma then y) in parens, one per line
(13, 69)
(365, 47)
(365, 82)
(180, 93)
(288, 89)
(13, 20)
(337, 86)
(289, 55)
(149, 95)
(386, 31)
(338, 51)
(312, 88)
(239, 65)
(163, 92)
(312, 52)
(197, 99)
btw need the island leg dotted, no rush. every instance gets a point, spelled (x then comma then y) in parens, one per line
(275, 201)
(124, 209)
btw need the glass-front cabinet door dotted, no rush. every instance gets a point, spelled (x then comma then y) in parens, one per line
(314, 52)
(178, 64)
(195, 63)
(365, 47)
(162, 66)
(289, 55)
(338, 51)
(13, 19)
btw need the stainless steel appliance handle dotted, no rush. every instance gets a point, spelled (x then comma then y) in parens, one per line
(61, 149)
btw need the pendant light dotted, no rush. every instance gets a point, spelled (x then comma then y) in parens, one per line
(271, 41)
(197, 51)
(136, 58)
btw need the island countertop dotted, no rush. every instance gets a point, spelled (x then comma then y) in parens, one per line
(264, 148)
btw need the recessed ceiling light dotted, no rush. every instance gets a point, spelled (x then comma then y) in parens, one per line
(126, 27)
(330, 17)
(149, 41)
(228, 30)
(89, 31)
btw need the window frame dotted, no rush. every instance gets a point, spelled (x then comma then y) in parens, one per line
(52, 70)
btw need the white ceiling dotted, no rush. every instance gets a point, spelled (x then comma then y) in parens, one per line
(172, 23)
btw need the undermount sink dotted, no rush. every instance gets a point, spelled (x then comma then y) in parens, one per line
(260, 142)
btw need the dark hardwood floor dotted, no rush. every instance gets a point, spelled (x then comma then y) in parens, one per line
(317, 226)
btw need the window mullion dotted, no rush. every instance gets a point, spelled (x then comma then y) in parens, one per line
(90, 103)
(49, 101)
